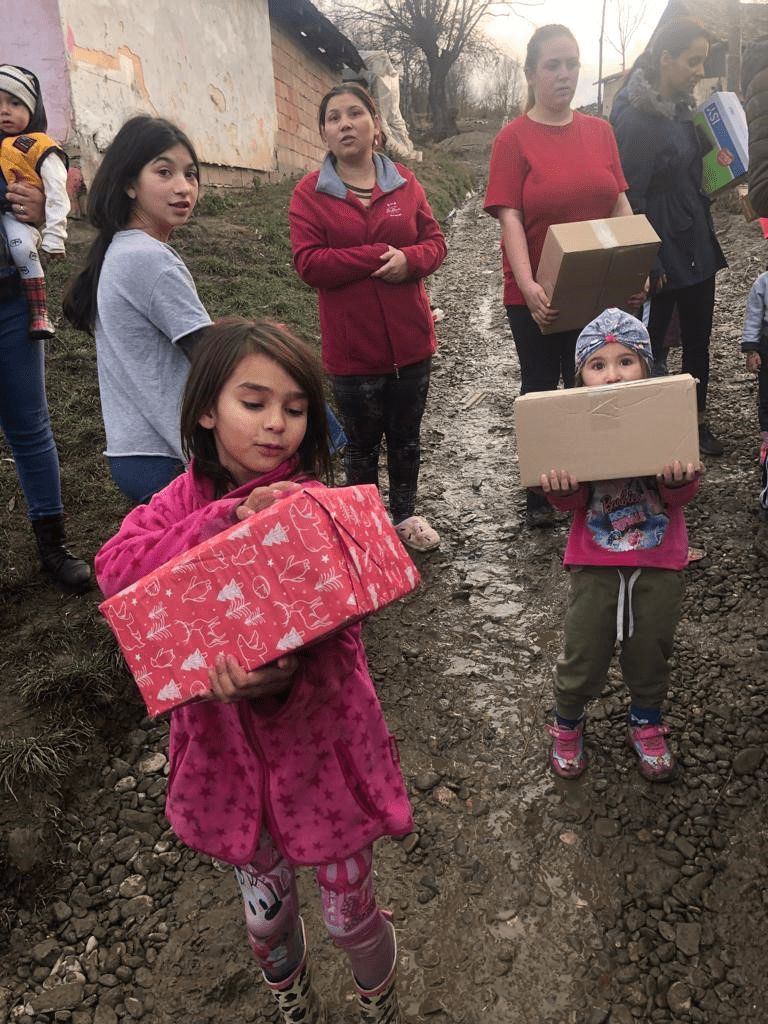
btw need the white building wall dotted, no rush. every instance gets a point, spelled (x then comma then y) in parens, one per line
(205, 66)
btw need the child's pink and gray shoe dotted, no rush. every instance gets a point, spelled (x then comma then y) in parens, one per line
(656, 761)
(567, 757)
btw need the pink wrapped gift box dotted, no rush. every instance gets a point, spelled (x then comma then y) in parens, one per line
(281, 579)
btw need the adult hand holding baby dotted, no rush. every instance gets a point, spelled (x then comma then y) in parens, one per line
(27, 202)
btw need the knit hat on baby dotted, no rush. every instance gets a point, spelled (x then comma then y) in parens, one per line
(614, 325)
(19, 84)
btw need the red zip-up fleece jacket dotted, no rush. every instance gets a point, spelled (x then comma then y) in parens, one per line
(367, 325)
(320, 770)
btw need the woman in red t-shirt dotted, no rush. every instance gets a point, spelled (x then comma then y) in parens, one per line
(551, 165)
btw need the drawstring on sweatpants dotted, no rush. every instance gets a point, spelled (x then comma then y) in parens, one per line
(625, 600)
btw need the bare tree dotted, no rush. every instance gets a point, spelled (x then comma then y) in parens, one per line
(440, 29)
(628, 16)
(503, 93)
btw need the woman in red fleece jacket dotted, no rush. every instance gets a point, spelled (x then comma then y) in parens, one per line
(364, 236)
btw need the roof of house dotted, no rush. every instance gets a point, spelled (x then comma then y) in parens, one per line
(715, 16)
(315, 33)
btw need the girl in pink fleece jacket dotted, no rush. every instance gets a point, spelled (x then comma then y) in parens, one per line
(626, 551)
(293, 763)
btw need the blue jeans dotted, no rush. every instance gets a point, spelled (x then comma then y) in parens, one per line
(338, 439)
(24, 412)
(141, 476)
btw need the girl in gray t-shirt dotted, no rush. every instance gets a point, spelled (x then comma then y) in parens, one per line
(138, 300)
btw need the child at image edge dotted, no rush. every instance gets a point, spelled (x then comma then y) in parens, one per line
(755, 344)
(626, 550)
(28, 155)
(269, 780)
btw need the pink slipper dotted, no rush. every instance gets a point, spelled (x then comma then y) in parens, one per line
(416, 533)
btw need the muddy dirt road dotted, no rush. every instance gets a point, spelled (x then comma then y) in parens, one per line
(518, 899)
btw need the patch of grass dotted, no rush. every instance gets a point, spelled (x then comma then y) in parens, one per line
(445, 180)
(43, 761)
(65, 673)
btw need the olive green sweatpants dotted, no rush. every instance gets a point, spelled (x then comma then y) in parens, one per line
(648, 608)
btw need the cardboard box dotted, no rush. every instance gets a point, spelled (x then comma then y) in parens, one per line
(723, 121)
(607, 432)
(281, 579)
(591, 265)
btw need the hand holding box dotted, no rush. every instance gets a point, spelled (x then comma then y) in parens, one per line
(280, 580)
(608, 432)
(591, 265)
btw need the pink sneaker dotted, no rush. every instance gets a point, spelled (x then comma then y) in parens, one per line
(567, 758)
(656, 761)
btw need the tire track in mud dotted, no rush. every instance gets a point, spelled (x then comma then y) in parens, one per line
(514, 886)
(608, 899)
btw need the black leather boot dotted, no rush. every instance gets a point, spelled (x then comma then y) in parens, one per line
(71, 573)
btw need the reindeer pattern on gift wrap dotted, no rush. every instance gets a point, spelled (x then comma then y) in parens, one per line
(271, 584)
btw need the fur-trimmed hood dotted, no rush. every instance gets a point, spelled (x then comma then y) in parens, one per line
(642, 95)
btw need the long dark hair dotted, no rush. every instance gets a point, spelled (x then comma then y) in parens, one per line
(674, 36)
(138, 142)
(215, 358)
(533, 52)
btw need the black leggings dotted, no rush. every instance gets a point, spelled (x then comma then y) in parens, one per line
(544, 358)
(695, 307)
(391, 406)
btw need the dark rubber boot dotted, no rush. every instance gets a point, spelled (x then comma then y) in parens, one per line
(71, 573)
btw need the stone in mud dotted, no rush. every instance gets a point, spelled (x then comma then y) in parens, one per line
(597, 1015)
(621, 1015)
(151, 763)
(748, 761)
(688, 938)
(104, 1014)
(679, 998)
(425, 781)
(541, 896)
(431, 1005)
(67, 996)
(607, 828)
(139, 908)
(61, 911)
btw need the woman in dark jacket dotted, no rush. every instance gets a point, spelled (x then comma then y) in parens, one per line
(661, 155)
(754, 89)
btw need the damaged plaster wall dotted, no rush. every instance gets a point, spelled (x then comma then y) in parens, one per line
(206, 66)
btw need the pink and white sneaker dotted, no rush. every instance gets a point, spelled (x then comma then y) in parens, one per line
(567, 758)
(656, 761)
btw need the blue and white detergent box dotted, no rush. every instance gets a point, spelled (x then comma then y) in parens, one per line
(724, 122)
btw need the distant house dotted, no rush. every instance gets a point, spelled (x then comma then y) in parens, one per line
(243, 78)
(714, 16)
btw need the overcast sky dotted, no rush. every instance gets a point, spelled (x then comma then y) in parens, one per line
(582, 17)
